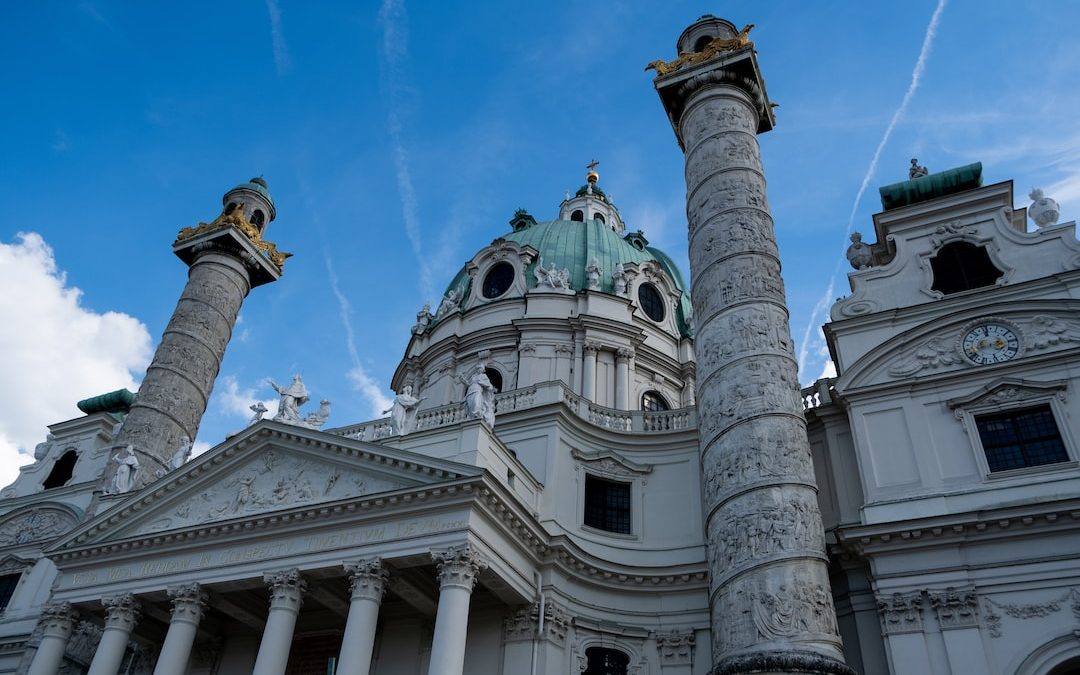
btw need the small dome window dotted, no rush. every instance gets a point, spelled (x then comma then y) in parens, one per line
(702, 42)
(498, 280)
(62, 470)
(495, 377)
(654, 401)
(230, 208)
(962, 266)
(258, 219)
(578, 216)
(599, 217)
(651, 302)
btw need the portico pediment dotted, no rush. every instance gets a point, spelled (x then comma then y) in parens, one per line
(268, 468)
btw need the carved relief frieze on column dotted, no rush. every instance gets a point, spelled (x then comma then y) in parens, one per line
(901, 613)
(367, 579)
(287, 589)
(458, 566)
(956, 607)
(769, 585)
(676, 647)
(189, 602)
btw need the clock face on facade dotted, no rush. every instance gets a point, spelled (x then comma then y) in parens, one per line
(990, 342)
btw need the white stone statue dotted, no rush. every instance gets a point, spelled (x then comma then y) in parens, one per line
(127, 469)
(423, 320)
(551, 277)
(318, 418)
(449, 304)
(1043, 211)
(259, 408)
(292, 397)
(403, 412)
(618, 279)
(592, 275)
(183, 452)
(916, 171)
(859, 254)
(480, 397)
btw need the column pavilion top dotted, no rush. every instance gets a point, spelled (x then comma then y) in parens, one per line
(710, 52)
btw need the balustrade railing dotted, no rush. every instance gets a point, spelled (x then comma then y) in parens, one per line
(547, 393)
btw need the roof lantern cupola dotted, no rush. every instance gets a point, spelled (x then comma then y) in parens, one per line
(590, 202)
(254, 197)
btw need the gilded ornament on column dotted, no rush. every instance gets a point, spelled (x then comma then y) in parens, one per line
(714, 48)
(235, 218)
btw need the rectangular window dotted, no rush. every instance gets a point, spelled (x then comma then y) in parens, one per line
(607, 505)
(8, 582)
(1021, 438)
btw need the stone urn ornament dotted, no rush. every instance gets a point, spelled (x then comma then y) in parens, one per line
(1043, 211)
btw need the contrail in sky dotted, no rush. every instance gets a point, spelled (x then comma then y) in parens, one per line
(281, 52)
(818, 315)
(394, 22)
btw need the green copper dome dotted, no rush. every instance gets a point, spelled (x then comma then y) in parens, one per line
(572, 245)
(256, 184)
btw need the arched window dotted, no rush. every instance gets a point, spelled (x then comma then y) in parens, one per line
(604, 661)
(62, 470)
(651, 302)
(1070, 667)
(498, 280)
(701, 42)
(495, 377)
(962, 266)
(599, 217)
(230, 207)
(578, 216)
(258, 219)
(653, 401)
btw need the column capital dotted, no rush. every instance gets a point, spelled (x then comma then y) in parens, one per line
(901, 613)
(592, 347)
(57, 620)
(676, 647)
(121, 611)
(367, 578)
(956, 607)
(287, 589)
(189, 602)
(458, 566)
(625, 353)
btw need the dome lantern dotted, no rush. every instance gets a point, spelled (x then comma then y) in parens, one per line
(590, 202)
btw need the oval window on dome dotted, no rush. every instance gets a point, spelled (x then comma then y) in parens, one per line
(651, 302)
(498, 280)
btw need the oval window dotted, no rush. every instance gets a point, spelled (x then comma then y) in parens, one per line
(498, 280)
(650, 301)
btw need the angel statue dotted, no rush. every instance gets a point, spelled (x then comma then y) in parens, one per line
(403, 412)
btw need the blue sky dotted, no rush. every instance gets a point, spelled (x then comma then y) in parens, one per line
(399, 137)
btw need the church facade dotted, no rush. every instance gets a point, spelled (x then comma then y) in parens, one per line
(592, 466)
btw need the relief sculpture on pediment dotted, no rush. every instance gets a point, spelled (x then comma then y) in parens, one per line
(268, 483)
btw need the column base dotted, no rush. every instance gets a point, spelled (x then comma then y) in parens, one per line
(781, 663)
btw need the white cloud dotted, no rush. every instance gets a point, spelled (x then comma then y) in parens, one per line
(55, 351)
(199, 447)
(234, 400)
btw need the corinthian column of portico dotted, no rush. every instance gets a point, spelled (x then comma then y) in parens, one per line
(189, 602)
(367, 580)
(458, 567)
(57, 620)
(770, 598)
(287, 590)
(121, 614)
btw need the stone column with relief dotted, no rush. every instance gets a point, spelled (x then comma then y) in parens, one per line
(121, 614)
(367, 582)
(189, 603)
(459, 567)
(287, 590)
(771, 603)
(56, 623)
(227, 257)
